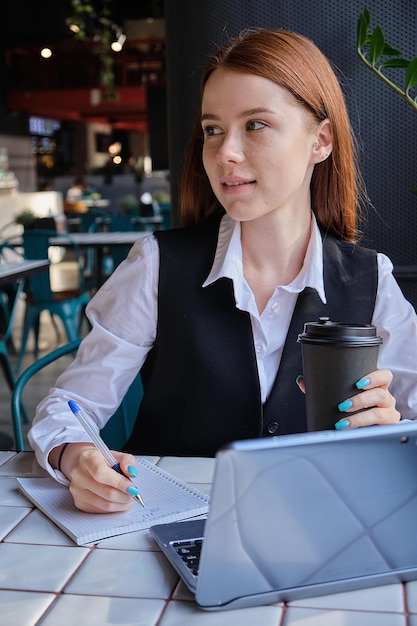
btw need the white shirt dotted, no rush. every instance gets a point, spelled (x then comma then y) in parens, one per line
(123, 314)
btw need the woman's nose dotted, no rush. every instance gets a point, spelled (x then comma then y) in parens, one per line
(230, 149)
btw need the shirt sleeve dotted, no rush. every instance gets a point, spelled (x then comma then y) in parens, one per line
(396, 322)
(123, 317)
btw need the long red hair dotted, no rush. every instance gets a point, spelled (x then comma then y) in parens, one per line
(293, 62)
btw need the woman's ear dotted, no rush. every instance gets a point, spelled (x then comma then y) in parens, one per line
(323, 144)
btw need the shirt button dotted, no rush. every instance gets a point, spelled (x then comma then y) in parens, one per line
(272, 427)
(258, 347)
(275, 307)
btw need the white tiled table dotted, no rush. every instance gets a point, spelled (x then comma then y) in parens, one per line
(46, 579)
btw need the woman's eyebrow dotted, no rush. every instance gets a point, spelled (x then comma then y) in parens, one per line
(248, 113)
(209, 116)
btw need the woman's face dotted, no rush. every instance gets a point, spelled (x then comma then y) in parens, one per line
(260, 147)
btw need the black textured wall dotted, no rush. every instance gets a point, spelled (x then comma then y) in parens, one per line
(385, 125)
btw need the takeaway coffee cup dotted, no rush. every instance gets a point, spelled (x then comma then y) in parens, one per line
(335, 356)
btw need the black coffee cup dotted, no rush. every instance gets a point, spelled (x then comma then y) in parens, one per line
(335, 356)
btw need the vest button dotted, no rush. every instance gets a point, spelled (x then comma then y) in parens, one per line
(272, 427)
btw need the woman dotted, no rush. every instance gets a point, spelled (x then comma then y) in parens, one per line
(210, 313)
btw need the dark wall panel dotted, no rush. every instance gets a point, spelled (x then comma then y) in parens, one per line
(157, 123)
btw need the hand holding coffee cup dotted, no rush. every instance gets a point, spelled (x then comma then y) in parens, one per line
(335, 357)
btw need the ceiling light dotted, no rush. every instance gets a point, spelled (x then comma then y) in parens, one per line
(117, 45)
(74, 26)
(115, 148)
(46, 53)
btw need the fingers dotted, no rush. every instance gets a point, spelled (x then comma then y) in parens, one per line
(375, 403)
(96, 497)
(97, 488)
(300, 382)
(127, 464)
(379, 378)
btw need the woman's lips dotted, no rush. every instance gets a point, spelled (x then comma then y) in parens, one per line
(235, 184)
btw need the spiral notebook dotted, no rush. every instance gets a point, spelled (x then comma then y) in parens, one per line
(167, 499)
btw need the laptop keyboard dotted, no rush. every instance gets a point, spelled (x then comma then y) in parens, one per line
(189, 551)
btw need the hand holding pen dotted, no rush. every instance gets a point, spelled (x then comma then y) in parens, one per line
(99, 443)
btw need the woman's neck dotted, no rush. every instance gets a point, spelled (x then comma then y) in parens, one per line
(272, 256)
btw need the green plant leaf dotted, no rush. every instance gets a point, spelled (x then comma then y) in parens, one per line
(362, 29)
(389, 50)
(367, 16)
(395, 63)
(411, 76)
(375, 48)
(376, 44)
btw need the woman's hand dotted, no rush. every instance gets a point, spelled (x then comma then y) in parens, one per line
(96, 487)
(375, 402)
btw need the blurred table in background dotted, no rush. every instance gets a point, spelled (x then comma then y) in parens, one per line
(99, 241)
(100, 203)
(11, 271)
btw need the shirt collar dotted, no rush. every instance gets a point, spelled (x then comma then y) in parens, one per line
(228, 260)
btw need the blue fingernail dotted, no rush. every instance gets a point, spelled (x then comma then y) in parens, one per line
(132, 471)
(132, 491)
(344, 406)
(363, 382)
(342, 424)
(298, 379)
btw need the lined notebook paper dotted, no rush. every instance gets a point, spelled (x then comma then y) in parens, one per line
(167, 499)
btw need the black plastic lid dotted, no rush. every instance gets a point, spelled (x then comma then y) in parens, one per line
(325, 331)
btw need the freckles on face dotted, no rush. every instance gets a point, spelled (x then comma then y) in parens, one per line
(257, 145)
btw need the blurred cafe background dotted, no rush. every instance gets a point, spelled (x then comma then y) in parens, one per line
(108, 90)
(83, 95)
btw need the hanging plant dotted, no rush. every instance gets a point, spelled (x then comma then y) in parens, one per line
(378, 55)
(92, 20)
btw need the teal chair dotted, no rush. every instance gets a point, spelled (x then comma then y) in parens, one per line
(120, 222)
(68, 305)
(114, 222)
(10, 292)
(79, 222)
(165, 208)
(9, 311)
(9, 301)
(118, 428)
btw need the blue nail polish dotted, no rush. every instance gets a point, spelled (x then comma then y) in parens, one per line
(132, 471)
(132, 491)
(342, 424)
(344, 406)
(363, 382)
(298, 379)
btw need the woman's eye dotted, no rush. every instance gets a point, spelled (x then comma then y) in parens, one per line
(255, 125)
(211, 130)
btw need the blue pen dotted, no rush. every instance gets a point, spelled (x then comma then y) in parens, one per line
(98, 442)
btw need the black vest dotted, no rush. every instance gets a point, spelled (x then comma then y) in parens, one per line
(201, 386)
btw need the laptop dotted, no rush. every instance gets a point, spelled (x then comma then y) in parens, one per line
(302, 515)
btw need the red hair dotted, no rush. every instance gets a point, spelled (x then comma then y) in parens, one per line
(293, 62)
